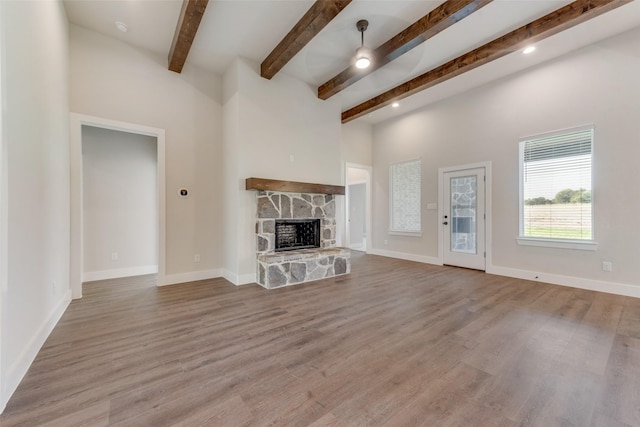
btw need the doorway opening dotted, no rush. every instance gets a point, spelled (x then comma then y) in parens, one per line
(119, 206)
(81, 125)
(358, 207)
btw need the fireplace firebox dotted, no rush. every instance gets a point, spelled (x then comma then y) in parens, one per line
(292, 234)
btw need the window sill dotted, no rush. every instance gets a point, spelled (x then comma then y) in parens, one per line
(587, 245)
(406, 233)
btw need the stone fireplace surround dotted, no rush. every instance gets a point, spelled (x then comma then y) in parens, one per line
(277, 269)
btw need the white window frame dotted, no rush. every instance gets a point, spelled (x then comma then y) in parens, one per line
(399, 232)
(588, 245)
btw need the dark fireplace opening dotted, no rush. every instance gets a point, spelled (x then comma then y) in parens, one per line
(292, 234)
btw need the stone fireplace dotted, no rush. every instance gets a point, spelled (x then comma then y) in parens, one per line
(275, 205)
(296, 238)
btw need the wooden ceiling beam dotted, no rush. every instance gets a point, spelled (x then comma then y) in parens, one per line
(188, 23)
(316, 18)
(559, 20)
(439, 19)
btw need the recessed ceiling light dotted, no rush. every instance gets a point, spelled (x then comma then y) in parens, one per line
(528, 50)
(395, 105)
(121, 26)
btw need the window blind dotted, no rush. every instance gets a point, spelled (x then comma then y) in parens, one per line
(556, 186)
(405, 196)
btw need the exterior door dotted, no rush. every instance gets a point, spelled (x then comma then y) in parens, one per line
(464, 218)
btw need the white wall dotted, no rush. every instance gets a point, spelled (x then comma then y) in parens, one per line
(267, 122)
(3, 220)
(119, 204)
(35, 182)
(357, 143)
(357, 153)
(232, 183)
(357, 215)
(112, 80)
(595, 85)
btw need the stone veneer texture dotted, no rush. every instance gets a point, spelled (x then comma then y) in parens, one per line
(305, 265)
(274, 205)
(287, 268)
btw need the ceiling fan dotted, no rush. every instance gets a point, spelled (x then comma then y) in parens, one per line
(364, 56)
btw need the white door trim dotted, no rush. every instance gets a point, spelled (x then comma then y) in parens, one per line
(369, 171)
(488, 185)
(75, 140)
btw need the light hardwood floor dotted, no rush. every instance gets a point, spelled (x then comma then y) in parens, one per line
(395, 343)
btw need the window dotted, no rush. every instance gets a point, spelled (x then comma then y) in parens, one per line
(405, 197)
(555, 189)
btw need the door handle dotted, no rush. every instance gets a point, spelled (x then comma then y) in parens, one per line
(445, 223)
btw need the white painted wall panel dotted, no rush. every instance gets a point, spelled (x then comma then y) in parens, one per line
(275, 129)
(357, 140)
(35, 182)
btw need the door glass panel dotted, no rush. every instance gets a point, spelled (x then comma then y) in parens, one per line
(463, 214)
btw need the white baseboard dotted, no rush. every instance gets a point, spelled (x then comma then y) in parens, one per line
(408, 257)
(192, 276)
(17, 371)
(571, 281)
(239, 279)
(554, 279)
(90, 276)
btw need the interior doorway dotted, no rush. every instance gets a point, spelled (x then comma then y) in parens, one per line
(358, 209)
(119, 206)
(77, 121)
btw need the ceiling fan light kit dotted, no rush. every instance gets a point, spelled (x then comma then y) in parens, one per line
(362, 59)
(363, 55)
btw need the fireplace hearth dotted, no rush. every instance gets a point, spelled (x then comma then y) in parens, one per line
(293, 234)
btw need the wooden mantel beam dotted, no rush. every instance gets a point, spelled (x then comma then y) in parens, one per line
(439, 19)
(292, 186)
(559, 20)
(316, 18)
(188, 23)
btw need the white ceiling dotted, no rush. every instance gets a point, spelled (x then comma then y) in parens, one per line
(252, 28)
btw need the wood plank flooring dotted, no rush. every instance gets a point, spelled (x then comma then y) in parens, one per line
(395, 343)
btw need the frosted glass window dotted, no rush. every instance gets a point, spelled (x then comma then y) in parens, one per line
(464, 205)
(555, 186)
(405, 196)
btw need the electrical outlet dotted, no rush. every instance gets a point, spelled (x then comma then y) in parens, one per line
(607, 266)
(114, 256)
(196, 258)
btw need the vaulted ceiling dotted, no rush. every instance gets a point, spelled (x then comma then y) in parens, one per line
(427, 49)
